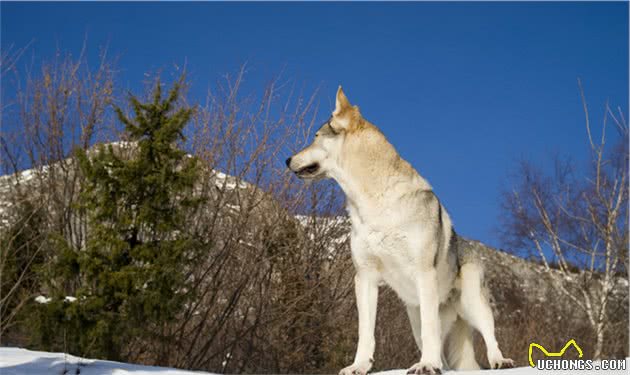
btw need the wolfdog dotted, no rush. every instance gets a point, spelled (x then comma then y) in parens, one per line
(402, 236)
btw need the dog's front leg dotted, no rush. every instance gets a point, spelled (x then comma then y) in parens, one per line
(431, 362)
(366, 289)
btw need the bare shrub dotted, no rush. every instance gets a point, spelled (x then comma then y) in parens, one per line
(270, 282)
(61, 107)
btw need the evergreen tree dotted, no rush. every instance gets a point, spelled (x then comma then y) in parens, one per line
(132, 272)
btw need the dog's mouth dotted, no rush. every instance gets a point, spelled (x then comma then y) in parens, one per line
(308, 171)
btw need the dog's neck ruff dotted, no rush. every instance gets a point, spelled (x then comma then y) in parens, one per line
(373, 191)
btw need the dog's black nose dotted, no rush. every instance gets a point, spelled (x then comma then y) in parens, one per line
(288, 162)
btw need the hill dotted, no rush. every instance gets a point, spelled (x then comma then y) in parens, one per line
(275, 291)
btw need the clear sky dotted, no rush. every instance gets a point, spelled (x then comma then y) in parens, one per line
(463, 90)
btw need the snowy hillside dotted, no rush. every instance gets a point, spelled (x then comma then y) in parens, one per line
(31, 179)
(15, 361)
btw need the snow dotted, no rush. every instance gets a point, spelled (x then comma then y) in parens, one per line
(223, 180)
(16, 361)
(522, 371)
(122, 144)
(42, 299)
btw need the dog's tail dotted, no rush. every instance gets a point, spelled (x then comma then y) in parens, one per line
(460, 352)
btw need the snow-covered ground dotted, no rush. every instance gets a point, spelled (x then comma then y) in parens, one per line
(16, 361)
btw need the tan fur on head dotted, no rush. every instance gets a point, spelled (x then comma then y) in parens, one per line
(346, 117)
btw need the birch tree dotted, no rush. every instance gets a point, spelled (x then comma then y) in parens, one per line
(576, 221)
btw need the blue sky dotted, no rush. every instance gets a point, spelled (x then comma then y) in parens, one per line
(463, 90)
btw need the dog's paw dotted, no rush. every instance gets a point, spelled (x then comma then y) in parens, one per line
(361, 368)
(425, 368)
(502, 363)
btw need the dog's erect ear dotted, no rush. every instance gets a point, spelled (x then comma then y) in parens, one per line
(341, 116)
(342, 103)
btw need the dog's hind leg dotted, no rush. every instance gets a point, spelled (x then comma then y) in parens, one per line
(460, 352)
(448, 315)
(475, 309)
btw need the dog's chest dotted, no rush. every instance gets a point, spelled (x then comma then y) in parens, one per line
(387, 251)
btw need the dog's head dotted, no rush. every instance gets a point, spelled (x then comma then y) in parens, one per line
(321, 156)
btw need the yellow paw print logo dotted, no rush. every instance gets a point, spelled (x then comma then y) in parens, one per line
(551, 354)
